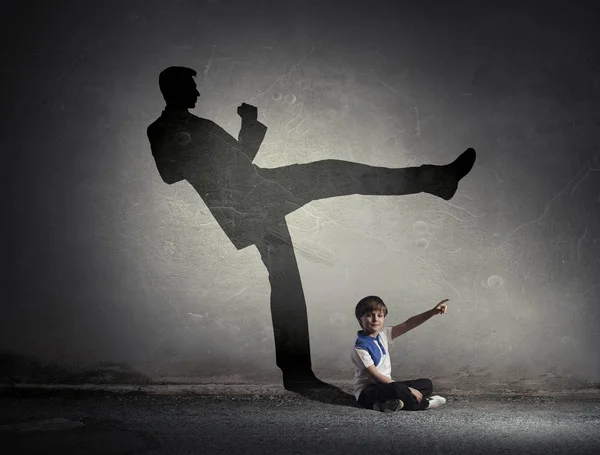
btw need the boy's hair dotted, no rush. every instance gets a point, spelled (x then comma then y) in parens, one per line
(368, 304)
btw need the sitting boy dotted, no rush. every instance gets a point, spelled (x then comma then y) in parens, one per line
(374, 387)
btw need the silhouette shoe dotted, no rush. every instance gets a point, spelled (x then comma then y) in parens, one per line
(388, 406)
(442, 181)
(300, 380)
(435, 401)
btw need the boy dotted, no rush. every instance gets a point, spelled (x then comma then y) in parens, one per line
(374, 387)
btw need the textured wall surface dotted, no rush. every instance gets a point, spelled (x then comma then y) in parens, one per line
(109, 265)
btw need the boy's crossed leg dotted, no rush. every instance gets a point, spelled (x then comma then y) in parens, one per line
(398, 390)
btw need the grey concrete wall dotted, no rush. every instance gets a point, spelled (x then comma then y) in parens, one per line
(106, 263)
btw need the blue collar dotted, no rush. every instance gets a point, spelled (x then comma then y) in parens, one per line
(370, 344)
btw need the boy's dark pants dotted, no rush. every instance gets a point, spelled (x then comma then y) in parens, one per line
(397, 390)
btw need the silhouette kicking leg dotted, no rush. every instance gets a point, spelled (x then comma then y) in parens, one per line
(330, 178)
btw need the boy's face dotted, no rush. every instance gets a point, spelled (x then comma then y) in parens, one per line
(372, 322)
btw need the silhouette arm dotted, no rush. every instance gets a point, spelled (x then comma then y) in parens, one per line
(251, 136)
(167, 168)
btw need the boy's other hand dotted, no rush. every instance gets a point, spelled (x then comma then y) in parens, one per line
(441, 307)
(418, 395)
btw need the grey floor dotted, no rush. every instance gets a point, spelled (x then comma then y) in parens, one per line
(105, 423)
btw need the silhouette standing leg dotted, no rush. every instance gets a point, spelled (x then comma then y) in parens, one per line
(288, 308)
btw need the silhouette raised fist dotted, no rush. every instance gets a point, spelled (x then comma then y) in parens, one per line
(247, 112)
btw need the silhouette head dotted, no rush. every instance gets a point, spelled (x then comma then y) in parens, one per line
(178, 87)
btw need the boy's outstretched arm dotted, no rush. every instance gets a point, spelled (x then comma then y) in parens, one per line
(419, 319)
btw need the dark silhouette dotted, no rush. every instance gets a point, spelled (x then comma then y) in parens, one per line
(250, 203)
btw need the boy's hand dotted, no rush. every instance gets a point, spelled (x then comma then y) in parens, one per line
(248, 112)
(441, 307)
(418, 395)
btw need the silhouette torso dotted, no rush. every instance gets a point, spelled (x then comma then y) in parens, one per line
(218, 166)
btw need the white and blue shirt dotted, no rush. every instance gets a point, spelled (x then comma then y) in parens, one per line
(367, 351)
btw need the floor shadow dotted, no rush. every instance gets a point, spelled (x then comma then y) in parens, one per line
(250, 203)
(328, 394)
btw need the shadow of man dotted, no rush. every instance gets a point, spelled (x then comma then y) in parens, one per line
(250, 203)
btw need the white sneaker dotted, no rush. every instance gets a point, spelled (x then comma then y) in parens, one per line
(435, 401)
